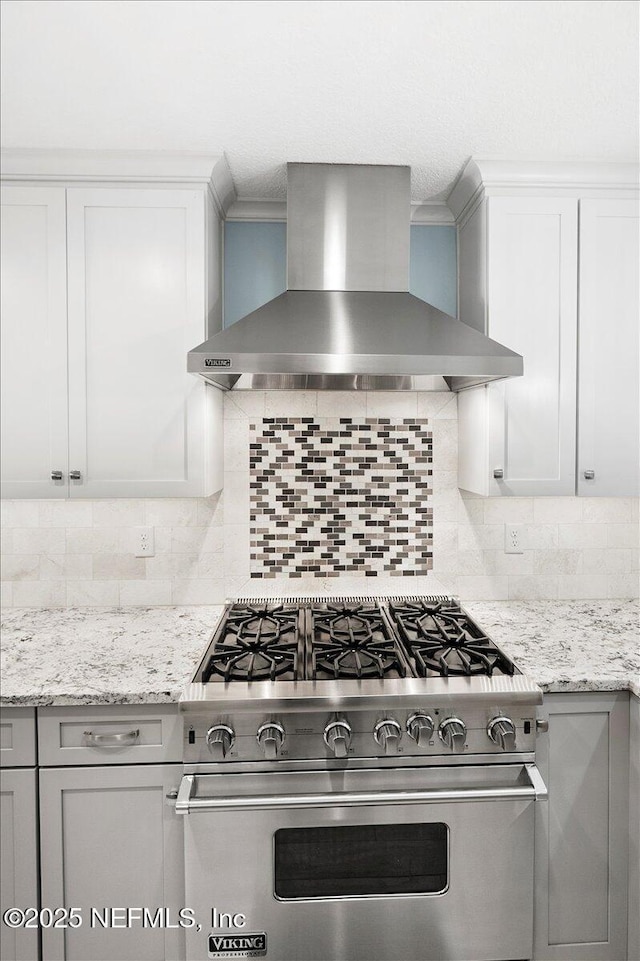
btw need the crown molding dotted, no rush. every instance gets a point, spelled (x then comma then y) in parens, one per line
(118, 166)
(573, 177)
(258, 210)
(432, 212)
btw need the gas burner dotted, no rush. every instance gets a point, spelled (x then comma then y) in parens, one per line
(442, 640)
(353, 642)
(256, 644)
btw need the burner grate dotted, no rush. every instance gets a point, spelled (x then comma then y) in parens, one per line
(441, 639)
(350, 640)
(257, 643)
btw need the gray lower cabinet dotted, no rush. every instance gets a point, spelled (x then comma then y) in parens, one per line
(634, 828)
(19, 862)
(110, 839)
(582, 833)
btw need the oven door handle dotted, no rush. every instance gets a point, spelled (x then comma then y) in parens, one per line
(187, 801)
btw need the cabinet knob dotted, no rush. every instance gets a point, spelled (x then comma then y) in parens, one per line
(589, 474)
(56, 475)
(75, 475)
(498, 473)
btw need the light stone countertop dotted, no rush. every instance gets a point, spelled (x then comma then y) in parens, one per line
(147, 655)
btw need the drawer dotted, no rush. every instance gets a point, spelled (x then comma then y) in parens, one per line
(110, 734)
(17, 737)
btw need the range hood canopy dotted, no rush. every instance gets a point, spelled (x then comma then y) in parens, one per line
(347, 320)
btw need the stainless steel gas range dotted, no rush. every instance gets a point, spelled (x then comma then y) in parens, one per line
(360, 782)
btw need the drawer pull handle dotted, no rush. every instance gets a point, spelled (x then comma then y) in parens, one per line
(111, 740)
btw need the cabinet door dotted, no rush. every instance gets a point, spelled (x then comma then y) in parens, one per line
(34, 342)
(136, 306)
(111, 839)
(582, 833)
(609, 425)
(19, 862)
(532, 308)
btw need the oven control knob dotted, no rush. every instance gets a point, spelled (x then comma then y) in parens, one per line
(270, 737)
(220, 740)
(387, 734)
(502, 732)
(337, 737)
(420, 728)
(453, 733)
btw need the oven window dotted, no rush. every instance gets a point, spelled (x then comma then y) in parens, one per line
(361, 861)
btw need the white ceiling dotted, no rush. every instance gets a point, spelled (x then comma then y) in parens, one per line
(425, 82)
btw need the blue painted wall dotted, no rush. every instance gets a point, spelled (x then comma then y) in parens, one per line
(255, 269)
(255, 266)
(433, 268)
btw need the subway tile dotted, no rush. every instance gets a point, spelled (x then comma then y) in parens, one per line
(447, 561)
(583, 586)
(236, 448)
(557, 510)
(96, 540)
(383, 403)
(445, 537)
(62, 567)
(342, 403)
(499, 562)
(531, 587)
(37, 540)
(623, 585)
(512, 510)
(66, 513)
(615, 560)
(236, 549)
(211, 565)
(39, 594)
(171, 512)
(244, 404)
(445, 446)
(118, 512)
(437, 405)
(561, 561)
(170, 566)
(236, 586)
(6, 540)
(145, 593)
(489, 537)
(236, 497)
(580, 536)
(6, 594)
(290, 403)
(470, 562)
(470, 510)
(116, 567)
(198, 591)
(210, 509)
(623, 535)
(540, 537)
(188, 540)
(19, 513)
(93, 593)
(20, 567)
(607, 510)
(483, 587)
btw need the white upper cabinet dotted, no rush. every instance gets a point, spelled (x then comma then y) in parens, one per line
(34, 341)
(608, 425)
(552, 274)
(105, 290)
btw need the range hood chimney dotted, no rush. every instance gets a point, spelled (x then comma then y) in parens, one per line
(347, 320)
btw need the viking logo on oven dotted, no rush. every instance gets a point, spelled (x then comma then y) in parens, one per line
(217, 362)
(238, 945)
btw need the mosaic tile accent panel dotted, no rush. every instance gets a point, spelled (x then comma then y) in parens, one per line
(330, 496)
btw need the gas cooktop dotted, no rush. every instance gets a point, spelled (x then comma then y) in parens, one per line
(349, 639)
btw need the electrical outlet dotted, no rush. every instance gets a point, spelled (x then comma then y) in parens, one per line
(144, 542)
(513, 539)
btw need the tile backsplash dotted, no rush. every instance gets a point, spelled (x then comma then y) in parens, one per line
(80, 553)
(331, 496)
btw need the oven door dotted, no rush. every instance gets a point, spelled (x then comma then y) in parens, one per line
(403, 864)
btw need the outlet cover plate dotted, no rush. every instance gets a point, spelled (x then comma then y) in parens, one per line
(513, 535)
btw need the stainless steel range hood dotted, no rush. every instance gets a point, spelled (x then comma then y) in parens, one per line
(347, 320)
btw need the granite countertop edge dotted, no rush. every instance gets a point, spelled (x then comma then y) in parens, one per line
(67, 646)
